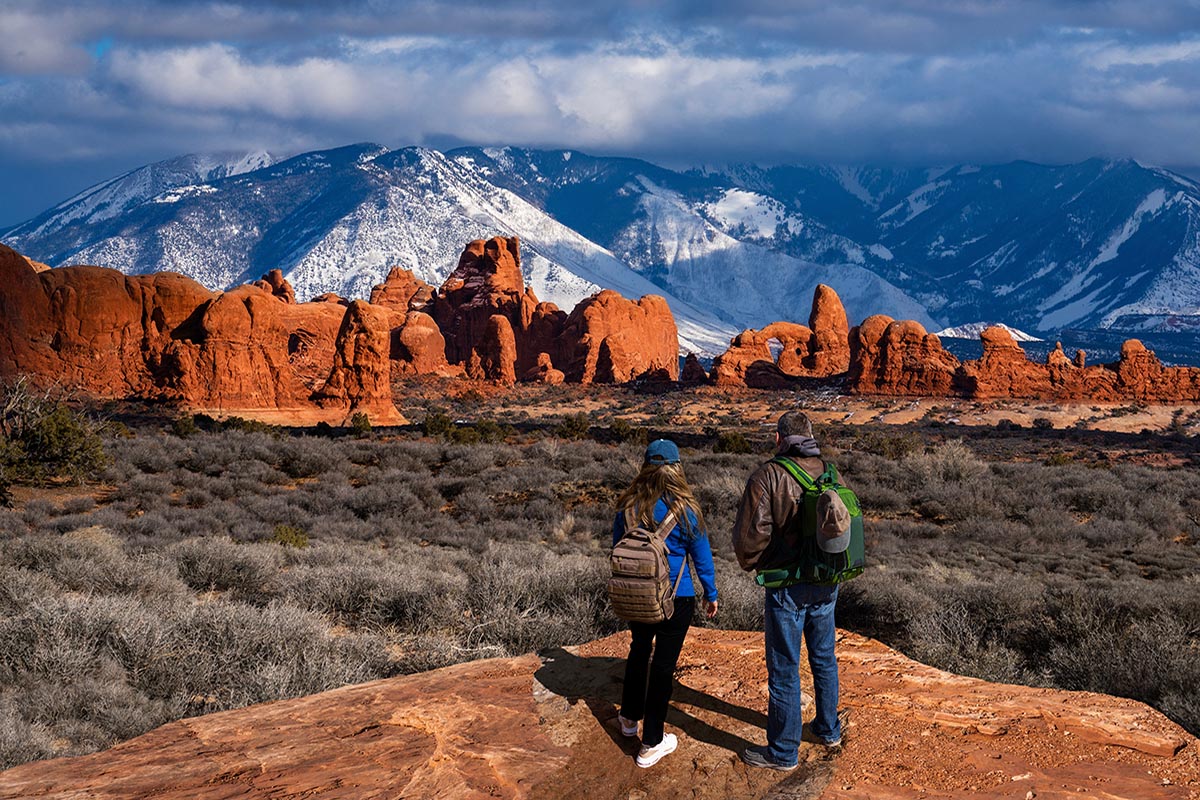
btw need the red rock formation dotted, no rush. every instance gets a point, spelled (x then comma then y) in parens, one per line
(898, 358)
(165, 337)
(795, 342)
(418, 348)
(693, 373)
(331, 297)
(487, 282)
(544, 372)
(90, 327)
(545, 728)
(748, 362)
(609, 339)
(275, 284)
(820, 350)
(360, 380)
(402, 290)
(1141, 376)
(495, 354)
(830, 348)
(1004, 371)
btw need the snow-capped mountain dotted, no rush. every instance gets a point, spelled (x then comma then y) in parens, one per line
(1101, 244)
(972, 330)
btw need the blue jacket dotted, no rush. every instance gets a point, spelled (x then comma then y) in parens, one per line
(679, 545)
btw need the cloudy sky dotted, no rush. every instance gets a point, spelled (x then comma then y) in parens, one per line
(90, 88)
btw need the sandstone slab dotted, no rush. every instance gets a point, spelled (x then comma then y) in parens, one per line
(545, 727)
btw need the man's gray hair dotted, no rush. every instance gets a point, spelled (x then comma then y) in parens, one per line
(795, 423)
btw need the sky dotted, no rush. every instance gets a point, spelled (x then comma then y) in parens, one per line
(91, 88)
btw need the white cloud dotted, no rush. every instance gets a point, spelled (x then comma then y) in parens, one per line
(1152, 55)
(217, 77)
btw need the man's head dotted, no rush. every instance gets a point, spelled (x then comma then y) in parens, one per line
(794, 423)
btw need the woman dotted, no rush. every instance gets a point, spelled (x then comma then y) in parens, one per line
(659, 487)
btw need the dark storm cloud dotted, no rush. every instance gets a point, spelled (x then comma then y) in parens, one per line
(103, 82)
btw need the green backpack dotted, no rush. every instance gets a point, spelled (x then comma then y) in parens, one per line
(814, 565)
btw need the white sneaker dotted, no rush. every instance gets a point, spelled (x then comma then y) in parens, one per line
(649, 756)
(628, 726)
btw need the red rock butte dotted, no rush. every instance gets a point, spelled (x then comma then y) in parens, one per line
(544, 727)
(253, 350)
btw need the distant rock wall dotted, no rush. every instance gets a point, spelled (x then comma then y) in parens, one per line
(255, 350)
(900, 358)
(883, 356)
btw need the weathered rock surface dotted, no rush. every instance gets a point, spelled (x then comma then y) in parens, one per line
(545, 727)
(274, 283)
(830, 349)
(818, 350)
(249, 351)
(360, 380)
(693, 373)
(610, 339)
(495, 354)
(91, 327)
(402, 290)
(544, 372)
(899, 357)
(486, 283)
(418, 347)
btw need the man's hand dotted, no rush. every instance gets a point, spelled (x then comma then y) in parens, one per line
(710, 609)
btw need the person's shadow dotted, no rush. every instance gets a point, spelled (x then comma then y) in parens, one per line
(597, 681)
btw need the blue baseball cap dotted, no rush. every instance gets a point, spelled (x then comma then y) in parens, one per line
(662, 451)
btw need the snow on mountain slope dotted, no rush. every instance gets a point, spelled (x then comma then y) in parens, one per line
(699, 262)
(971, 330)
(112, 198)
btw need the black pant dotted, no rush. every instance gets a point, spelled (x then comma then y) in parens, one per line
(649, 681)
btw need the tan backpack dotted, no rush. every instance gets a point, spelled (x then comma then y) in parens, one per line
(640, 588)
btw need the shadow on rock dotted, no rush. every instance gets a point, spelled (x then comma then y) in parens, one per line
(598, 682)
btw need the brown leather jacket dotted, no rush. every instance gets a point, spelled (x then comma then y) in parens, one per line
(764, 536)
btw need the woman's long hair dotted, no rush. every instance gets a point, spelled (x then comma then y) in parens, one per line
(668, 482)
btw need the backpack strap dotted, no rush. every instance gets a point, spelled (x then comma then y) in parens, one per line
(665, 527)
(661, 531)
(803, 478)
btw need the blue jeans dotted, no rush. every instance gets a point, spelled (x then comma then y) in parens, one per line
(788, 613)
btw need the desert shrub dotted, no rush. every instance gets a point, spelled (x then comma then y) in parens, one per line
(184, 426)
(246, 425)
(223, 566)
(360, 424)
(573, 426)
(624, 431)
(524, 598)
(289, 536)
(731, 442)
(1043, 424)
(491, 432)
(21, 740)
(438, 423)
(891, 445)
(50, 440)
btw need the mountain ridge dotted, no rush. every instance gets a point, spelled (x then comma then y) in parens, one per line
(1098, 244)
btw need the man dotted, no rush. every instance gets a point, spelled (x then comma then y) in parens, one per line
(766, 536)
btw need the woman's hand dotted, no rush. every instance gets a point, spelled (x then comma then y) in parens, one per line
(710, 609)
